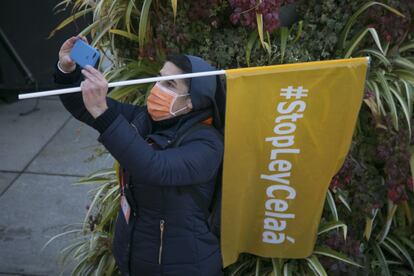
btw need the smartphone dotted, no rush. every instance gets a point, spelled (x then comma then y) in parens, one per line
(84, 54)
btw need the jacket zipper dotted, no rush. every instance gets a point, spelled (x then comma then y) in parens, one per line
(161, 238)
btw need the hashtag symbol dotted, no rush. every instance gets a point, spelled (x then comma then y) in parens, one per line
(292, 92)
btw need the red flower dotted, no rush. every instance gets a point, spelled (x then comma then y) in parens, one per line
(393, 195)
(335, 182)
(397, 194)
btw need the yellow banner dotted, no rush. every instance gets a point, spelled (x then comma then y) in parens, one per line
(288, 130)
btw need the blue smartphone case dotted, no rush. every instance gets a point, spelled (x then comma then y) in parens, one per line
(84, 54)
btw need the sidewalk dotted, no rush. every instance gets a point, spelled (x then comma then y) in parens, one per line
(41, 155)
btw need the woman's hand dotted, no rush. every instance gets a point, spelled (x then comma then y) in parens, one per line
(65, 62)
(94, 90)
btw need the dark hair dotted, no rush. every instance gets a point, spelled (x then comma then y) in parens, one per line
(182, 62)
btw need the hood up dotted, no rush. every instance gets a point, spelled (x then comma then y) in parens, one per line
(207, 92)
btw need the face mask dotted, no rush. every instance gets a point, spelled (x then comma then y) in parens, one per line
(161, 101)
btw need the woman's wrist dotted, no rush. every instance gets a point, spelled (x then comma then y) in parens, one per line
(64, 70)
(96, 112)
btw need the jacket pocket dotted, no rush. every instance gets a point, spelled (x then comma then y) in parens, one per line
(179, 250)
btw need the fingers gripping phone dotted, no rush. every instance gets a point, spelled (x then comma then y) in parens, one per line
(84, 54)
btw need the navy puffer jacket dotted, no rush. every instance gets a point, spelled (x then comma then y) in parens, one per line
(167, 233)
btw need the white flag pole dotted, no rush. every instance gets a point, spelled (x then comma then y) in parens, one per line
(122, 83)
(130, 82)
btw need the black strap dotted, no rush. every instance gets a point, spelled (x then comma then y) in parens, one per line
(128, 191)
(216, 194)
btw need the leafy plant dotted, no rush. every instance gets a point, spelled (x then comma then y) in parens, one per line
(91, 249)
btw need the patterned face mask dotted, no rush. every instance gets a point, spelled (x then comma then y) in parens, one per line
(161, 103)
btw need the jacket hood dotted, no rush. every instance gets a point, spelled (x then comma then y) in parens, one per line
(207, 92)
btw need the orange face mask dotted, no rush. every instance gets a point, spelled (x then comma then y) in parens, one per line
(161, 101)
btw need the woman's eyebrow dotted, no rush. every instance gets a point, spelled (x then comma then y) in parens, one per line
(174, 81)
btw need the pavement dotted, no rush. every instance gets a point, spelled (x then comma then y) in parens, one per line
(42, 153)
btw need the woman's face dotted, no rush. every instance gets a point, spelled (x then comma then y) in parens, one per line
(178, 86)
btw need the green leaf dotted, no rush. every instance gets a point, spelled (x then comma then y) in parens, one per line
(241, 266)
(326, 227)
(386, 93)
(390, 214)
(373, 86)
(257, 271)
(403, 272)
(58, 236)
(69, 20)
(125, 34)
(111, 214)
(112, 192)
(329, 252)
(409, 92)
(390, 249)
(407, 75)
(408, 242)
(143, 22)
(405, 109)
(404, 251)
(101, 266)
(316, 266)
(249, 46)
(259, 19)
(103, 32)
(332, 205)
(404, 63)
(123, 91)
(300, 30)
(67, 251)
(277, 265)
(339, 193)
(381, 258)
(358, 38)
(287, 269)
(111, 267)
(92, 206)
(406, 47)
(353, 19)
(368, 224)
(77, 270)
(128, 12)
(63, 4)
(375, 53)
(284, 34)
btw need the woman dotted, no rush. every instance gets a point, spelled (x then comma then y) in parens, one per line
(160, 228)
